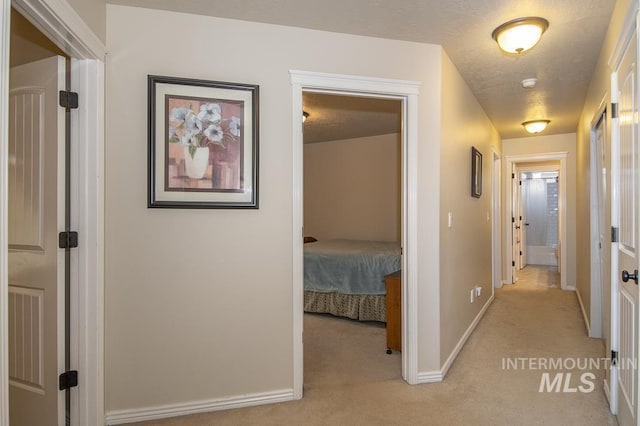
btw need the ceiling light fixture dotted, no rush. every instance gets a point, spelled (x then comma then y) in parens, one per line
(520, 35)
(529, 83)
(305, 115)
(535, 126)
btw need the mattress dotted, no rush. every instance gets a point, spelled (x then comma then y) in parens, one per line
(349, 266)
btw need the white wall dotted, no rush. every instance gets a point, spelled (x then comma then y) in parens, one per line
(352, 189)
(199, 302)
(465, 248)
(539, 145)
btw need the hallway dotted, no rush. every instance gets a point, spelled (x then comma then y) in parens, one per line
(529, 320)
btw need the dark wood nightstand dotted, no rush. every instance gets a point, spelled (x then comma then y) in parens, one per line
(394, 311)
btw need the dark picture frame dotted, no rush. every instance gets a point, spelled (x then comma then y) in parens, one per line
(476, 173)
(203, 143)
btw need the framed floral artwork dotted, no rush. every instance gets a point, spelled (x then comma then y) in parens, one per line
(476, 173)
(203, 143)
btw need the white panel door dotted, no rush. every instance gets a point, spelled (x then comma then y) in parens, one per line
(625, 215)
(36, 264)
(515, 241)
(522, 216)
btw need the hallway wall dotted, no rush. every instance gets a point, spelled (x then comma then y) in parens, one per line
(199, 305)
(598, 97)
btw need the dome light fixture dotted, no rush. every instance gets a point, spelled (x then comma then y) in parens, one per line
(519, 35)
(535, 126)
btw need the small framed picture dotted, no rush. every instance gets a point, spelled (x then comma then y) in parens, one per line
(476, 173)
(203, 143)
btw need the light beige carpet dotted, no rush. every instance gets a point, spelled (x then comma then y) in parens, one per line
(350, 380)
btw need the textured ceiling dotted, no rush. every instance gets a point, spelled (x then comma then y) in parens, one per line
(563, 61)
(336, 117)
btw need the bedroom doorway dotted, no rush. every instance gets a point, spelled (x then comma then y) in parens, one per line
(405, 93)
(352, 231)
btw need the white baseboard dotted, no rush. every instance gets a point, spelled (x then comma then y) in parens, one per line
(430, 377)
(465, 336)
(584, 313)
(175, 410)
(607, 393)
(438, 376)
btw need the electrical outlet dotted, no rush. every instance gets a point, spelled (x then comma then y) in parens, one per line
(473, 293)
(478, 291)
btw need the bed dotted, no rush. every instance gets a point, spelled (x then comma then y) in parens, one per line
(346, 277)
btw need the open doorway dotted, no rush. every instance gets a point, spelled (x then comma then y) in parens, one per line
(39, 208)
(353, 231)
(539, 200)
(407, 93)
(536, 202)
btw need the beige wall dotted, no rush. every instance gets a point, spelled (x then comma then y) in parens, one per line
(199, 302)
(465, 248)
(540, 145)
(597, 97)
(28, 44)
(352, 189)
(94, 14)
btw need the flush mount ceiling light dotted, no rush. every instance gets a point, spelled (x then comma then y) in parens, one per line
(535, 126)
(305, 115)
(520, 35)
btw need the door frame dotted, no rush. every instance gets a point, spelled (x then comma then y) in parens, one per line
(496, 220)
(523, 229)
(62, 25)
(560, 156)
(407, 92)
(596, 325)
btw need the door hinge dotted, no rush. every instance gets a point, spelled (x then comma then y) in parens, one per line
(614, 358)
(614, 110)
(513, 219)
(68, 380)
(68, 99)
(614, 234)
(521, 253)
(513, 175)
(513, 263)
(520, 183)
(68, 239)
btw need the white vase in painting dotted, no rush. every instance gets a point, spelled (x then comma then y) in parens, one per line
(196, 166)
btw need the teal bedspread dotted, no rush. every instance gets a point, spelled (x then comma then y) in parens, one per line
(349, 266)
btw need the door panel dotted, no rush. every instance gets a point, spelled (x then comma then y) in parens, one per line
(515, 197)
(626, 186)
(36, 264)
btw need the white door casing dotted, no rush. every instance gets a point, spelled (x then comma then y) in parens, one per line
(495, 221)
(599, 238)
(407, 92)
(61, 24)
(36, 263)
(511, 161)
(514, 224)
